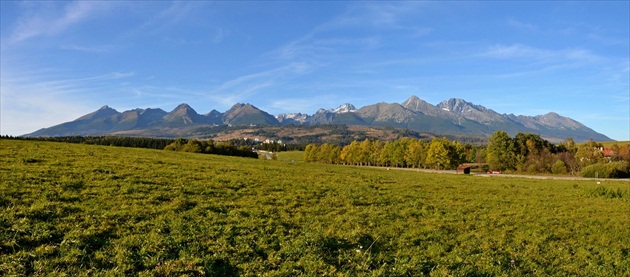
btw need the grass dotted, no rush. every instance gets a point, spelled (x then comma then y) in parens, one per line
(292, 156)
(68, 209)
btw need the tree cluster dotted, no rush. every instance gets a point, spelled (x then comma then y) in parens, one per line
(439, 153)
(525, 153)
(211, 147)
(529, 153)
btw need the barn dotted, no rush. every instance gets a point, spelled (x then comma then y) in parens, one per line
(463, 169)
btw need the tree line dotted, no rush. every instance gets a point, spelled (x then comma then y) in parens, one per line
(211, 147)
(135, 142)
(180, 144)
(439, 153)
(524, 153)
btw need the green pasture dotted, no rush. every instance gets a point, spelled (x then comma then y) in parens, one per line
(82, 210)
(291, 156)
(610, 144)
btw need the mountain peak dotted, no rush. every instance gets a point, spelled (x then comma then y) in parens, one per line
(184, 109)
(243, 114)
(457, 105)
(416, 104)
(288, 118)
(345, 108)
(454, 117)
(471, 111)
(104, 111)
(557, 121)
(182, 113)
(183, 106)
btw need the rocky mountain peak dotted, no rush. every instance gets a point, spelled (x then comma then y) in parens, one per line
(555, 120)
(460, 106)
(288, 118)
(414, 103)
(454, 116)
(183, 107)
(345, 108)
(243, 114)
(104, 111)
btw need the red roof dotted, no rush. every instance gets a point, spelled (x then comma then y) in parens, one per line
(608, 152)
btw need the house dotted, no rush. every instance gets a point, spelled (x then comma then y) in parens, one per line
(608, 152)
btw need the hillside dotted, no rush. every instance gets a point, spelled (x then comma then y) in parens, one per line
(454, 117)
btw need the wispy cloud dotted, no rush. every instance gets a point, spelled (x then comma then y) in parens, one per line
(21, 114)
(516, 51)
(525, 52)
(521, 25)
(355, 31)
(96, 49)
(38, 99)
(373, 15)
(177, 12)
(244, 87)
(43, 22)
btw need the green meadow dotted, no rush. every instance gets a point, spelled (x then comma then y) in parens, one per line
(85, 210)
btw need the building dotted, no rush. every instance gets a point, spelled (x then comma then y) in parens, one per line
(463, 169)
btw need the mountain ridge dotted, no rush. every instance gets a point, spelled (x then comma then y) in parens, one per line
(449, 117)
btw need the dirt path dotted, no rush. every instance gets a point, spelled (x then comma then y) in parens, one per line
(549, 177)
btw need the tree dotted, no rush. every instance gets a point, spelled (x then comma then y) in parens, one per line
(193, 146)
(350, 153)
(588, 154)
(457, 153)
(438, 155)
(387, 153)
(364, 152)
(377, 147)
(309, 152)
(334, 155)
(501, 151)
(568, 145)
(415, 154)
(398, 154)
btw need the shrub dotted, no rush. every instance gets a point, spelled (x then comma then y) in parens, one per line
(559, 167)
(607, 193)
(606, 170)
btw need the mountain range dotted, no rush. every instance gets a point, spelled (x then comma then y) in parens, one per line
(451, 117)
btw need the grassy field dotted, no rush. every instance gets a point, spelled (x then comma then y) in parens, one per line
(79, 210)
(609, 144)
(291, 156)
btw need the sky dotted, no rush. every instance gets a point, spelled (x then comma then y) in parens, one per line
(61, 60)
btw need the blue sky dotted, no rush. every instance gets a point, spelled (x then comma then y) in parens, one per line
(60, 60)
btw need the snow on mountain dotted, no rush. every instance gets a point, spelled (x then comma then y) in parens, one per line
(345, 108)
